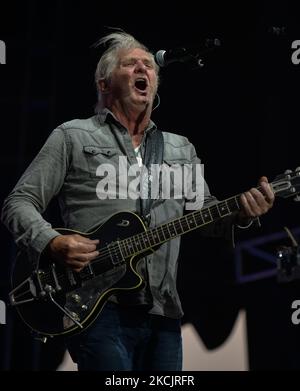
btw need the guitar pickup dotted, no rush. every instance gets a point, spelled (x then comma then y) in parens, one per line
(115, 253)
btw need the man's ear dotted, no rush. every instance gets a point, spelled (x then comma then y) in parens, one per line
(103, 86)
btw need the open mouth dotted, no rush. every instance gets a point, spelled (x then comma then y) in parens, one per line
(140, 84)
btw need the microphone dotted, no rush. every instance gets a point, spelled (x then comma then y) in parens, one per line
(166, 57)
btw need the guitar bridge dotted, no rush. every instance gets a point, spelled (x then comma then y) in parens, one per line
(33, 287)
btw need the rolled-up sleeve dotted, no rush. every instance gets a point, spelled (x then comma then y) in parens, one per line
(23, 208)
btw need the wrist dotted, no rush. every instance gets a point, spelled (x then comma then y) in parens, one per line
(53, 244)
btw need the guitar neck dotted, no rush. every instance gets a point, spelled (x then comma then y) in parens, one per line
(286, 185)
(170, 230)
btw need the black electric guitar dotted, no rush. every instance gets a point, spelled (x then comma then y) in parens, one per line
(53, 300)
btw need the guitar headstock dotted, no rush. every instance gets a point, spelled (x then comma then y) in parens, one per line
(288, 184)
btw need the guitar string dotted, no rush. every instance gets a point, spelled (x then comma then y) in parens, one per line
(164, 229)
(136, 239)
(115, 250)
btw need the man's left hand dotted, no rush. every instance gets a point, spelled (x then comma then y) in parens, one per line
(256, 202)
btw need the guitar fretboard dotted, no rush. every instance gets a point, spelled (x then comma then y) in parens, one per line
(167, 231)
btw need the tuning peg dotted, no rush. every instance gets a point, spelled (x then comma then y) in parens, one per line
(287, 174)
(297, 198)
(297, 171)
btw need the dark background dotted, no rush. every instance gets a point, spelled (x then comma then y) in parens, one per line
(239, 110)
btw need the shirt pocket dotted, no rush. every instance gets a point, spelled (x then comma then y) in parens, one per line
(97, 156)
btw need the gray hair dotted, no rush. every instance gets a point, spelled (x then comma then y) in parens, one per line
(109, 59)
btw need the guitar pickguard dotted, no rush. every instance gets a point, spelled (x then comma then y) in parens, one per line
(81, 301)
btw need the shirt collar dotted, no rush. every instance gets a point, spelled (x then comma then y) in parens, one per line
(106, 116)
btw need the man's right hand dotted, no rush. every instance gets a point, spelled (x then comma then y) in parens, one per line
(74, 251)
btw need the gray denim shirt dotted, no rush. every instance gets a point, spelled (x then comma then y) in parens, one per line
(66, 167)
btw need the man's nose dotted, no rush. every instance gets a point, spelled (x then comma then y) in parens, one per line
(140, 66)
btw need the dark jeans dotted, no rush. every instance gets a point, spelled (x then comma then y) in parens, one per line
(128, 339)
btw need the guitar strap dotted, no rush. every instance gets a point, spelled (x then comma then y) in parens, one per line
(153, 154)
